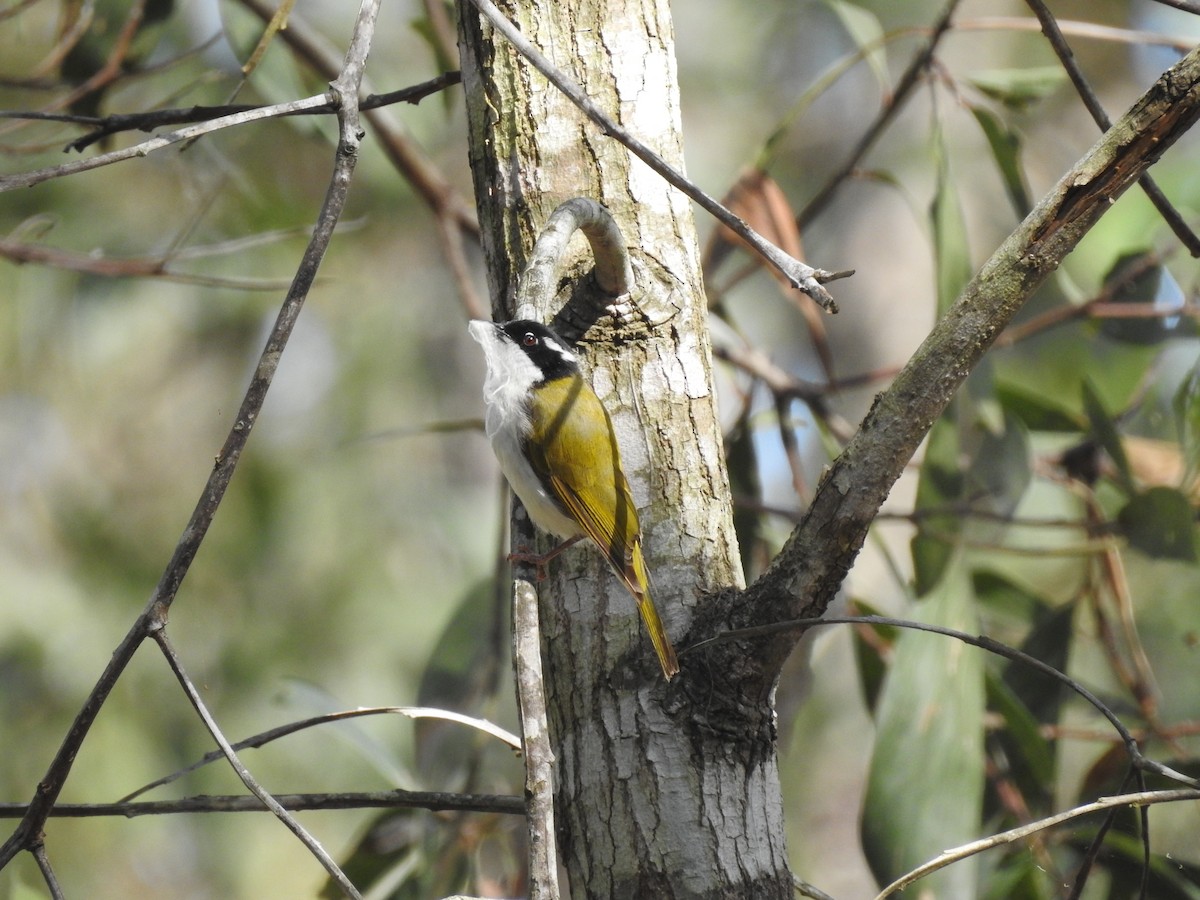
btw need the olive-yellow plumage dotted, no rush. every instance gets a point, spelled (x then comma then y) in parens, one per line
(558, 450)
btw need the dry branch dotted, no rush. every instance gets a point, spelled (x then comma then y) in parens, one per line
(435, 801)
(807, 573)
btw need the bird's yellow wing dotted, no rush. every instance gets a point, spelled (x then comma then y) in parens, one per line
(574, 451)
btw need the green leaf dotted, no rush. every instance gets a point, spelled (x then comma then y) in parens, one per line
(1105, 431)
(939, 485)
(1168, 625)
(1138, 278)
(1049, 641)
(1039, 411)
(868, 655)
(391, 839)
(1018, 875)
(985, 464)
(1030, 756)
(464, 668)
(1005, 145)
(1003, 600)
(1187, 421)
(1019, 88)
(1000, 470)
(742, 463)
(952, 258)
(925, 786)
(1160, 522)
(942, 477)
(866, 32)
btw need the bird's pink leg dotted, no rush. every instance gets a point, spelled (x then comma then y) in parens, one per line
(541, 559)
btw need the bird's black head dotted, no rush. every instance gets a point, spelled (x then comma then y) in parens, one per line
(544, 348)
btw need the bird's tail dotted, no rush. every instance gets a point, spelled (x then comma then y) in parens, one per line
(636, 579)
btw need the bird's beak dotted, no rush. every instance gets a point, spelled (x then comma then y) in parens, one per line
(483, 331)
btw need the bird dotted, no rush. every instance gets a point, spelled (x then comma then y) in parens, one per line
(557, 448)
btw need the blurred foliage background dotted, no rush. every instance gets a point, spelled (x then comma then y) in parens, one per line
(354, 560)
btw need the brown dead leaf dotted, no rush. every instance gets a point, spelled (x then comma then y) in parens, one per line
(1155, 463)
(759, 200)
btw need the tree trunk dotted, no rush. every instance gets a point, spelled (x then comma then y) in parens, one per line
(662, 790)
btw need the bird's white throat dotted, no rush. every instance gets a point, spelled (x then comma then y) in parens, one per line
(511, 375)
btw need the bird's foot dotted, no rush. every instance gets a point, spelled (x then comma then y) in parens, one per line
(524, 555)
(541, 560)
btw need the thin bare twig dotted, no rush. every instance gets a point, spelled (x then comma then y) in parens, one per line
(754, 361)
(126, 267)
(1054, 732)
(1062, 49)
(345, 88)
(445, 35)
(904, 87)
(1145, 687)
(1141, 799)
(957, 510)
(535, 737)
(20, 253)
(112, 66)
(455, 217)
(791, 447)
(1087, 30)
(784, 385)
(804, 889)
(251, 783)
(145, 148)
(436, 801)
(1100, 306)
(116, 123)
(273, 734)
(799, 274)
(1137, 759)
(1186, 5)
(47, 870)
(77, 26)
(450, 236)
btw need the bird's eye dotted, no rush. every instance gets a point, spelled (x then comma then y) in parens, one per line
(530, 339)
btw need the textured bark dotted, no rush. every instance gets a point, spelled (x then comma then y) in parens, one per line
(652, 798)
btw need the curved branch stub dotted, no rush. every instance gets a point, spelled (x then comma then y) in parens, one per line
(624, 296)
(613, 271)
(614, 274)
